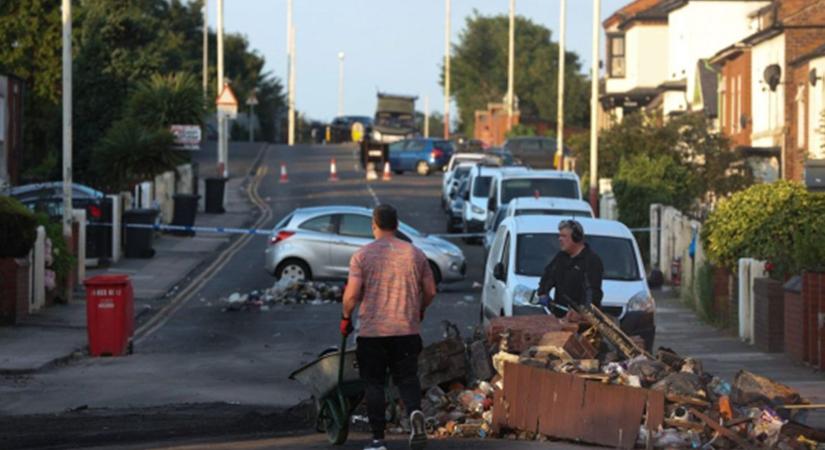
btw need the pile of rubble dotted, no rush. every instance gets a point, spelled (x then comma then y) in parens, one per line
(538, 377)
(284, 292)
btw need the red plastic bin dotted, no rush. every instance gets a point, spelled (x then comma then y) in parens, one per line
(110, 314)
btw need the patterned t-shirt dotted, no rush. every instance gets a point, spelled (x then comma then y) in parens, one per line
(393, 274)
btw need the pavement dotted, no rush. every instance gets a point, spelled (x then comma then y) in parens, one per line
(58, 333)
(196, 353)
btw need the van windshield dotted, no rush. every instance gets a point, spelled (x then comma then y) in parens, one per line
(542, 187)
(534, 251)
(481, 186)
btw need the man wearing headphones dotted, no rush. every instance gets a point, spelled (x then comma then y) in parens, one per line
(576, 272)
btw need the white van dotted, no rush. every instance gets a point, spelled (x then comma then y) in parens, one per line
(532, 183)
(475, 198)
(524, 245)
(536, 206)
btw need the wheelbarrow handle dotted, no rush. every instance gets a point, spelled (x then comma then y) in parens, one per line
(342, 354)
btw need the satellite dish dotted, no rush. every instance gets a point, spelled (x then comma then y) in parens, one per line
(812, 77)
(772, 76)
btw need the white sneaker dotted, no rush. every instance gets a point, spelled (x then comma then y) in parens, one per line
(418, 431)
(376, 444)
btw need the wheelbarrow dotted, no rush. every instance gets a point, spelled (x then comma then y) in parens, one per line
(337, 389)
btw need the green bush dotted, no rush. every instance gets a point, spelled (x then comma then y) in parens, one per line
(643, 180)
(167, 100)
(780, 223)
(18, 228)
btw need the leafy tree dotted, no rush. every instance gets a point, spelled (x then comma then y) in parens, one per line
(162, 101)
(521, 130)
(479, 71)
(130, 152)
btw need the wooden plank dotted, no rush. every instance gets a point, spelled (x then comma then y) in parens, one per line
(613, 414)
(531, 384)
(726, 433)
(655, 410)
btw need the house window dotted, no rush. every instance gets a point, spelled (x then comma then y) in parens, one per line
(800, 117)
(615, 56)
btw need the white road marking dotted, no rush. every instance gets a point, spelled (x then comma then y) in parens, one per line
(374, 197)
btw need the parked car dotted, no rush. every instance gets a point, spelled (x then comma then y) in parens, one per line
(534, 151)
(48, 198)
(455, 208)
(451, 181)
(317, 244)
(422, 155)
(475, 198)
(536, 206)
(521, 182)
(523, 247)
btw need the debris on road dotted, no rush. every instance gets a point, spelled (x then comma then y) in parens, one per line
(284, 292)
(539, 378)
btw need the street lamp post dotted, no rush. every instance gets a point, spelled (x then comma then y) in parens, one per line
(252, 101)
(222, 141)
(560, 112)
(447, 69)
(594, 112)
(511, 63)
(290, 33)
(340, 84)
(67, 119)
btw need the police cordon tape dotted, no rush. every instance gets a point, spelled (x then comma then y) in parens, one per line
(264, 232)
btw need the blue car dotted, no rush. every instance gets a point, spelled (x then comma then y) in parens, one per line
(422, 155)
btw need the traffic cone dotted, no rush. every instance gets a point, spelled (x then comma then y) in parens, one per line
(386, 176)
(333, 170)
(284, 176)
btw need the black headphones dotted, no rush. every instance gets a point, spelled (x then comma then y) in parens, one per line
(576, 230)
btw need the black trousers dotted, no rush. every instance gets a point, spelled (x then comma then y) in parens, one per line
(399, 355)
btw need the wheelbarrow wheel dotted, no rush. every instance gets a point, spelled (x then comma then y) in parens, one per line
(334, 421)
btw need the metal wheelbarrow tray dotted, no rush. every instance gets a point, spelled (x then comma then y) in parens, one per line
(337, 389)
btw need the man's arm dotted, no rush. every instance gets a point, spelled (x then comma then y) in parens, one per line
(428, 288)
(355, 283)
(595, 272)
(547, 281)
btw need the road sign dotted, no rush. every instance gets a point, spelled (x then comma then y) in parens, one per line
(187, 137)
(227, 103)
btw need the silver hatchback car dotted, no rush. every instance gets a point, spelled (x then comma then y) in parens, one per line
(317, 244)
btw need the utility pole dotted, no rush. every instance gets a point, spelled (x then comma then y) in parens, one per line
(447, 58)
(206, 51)
(290, 51)
(560, 112)
(252, 101)
(67, 120)
(511, 63)
(594, 112)
(426, 116)
(222, 141)
(340, 84)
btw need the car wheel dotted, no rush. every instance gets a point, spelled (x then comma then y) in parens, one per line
(293, 270)
(436, 273)
(422, 168)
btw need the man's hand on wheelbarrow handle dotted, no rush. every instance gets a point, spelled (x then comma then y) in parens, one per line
(346, 326)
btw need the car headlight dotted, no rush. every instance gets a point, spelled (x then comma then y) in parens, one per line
(376, 135)
(642, 301)
(477, 210)
(522, 295)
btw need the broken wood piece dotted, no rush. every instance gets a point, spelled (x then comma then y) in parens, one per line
(814, 406)
(724, 432)
(683, 399)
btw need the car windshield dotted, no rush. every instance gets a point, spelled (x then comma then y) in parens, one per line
(481, 187)
(535, 250)
(543, 187)
(552, 212)
(461, 172)
(394, 120)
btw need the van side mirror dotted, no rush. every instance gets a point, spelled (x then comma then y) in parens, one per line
(498, 272)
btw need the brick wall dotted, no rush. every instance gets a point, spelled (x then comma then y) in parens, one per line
(804, 22)
(737, 66)
(14, 290)
(796, 327)
(769, 315)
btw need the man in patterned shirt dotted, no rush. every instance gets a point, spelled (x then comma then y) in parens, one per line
(392, 281)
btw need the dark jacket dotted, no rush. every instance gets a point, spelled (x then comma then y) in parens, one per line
(568, 276)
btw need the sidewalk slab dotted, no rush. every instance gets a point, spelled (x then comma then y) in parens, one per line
(43, 339)
(56, 333)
